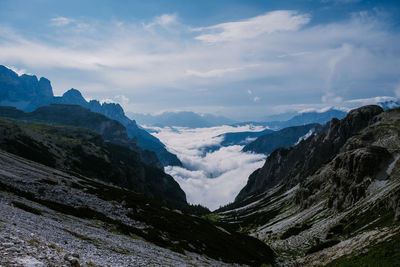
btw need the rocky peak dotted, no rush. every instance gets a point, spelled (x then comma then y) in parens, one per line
(6, 73)
(45, 88)
(293, 165)
(73, 96)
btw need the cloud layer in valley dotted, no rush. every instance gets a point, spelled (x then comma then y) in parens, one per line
(210, 179)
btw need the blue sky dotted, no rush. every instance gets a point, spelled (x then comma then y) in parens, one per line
(241, 59)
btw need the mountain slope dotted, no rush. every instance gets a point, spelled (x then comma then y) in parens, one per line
(332, 197)
(286, 137)
(85, 152)
(110, 130)
(295, 164)
(52, 217)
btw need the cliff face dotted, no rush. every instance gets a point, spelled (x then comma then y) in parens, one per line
(293, 165)
(27, 93)
(332, 198)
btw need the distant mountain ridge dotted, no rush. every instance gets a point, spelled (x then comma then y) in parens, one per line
(27, 93)
(181, 119)
(286, 137)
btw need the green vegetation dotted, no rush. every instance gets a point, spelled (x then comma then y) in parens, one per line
(212, 217)
(385, 254)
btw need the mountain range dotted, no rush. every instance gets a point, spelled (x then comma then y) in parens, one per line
(181, 119)
(27, 93)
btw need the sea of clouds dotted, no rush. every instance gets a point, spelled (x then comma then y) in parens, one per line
(211, 179)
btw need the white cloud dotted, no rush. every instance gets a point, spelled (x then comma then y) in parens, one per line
(163, 21)
(211, 179)
(276, 21)
(118, 99)
(123, 100)
(61, 21)
(18, 71)
(326, 63)
(212, 73)
(256, 99)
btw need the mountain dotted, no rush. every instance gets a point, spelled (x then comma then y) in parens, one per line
(56, 218)
(238, 138)
(27, 93)
(297, 120)
(181, 119)
(294, 166)
(307, 118)
(279, 117)
(389, 104)
(110, 130)
(332, 199)
(286, 137)
(115, 112)
(108, 157)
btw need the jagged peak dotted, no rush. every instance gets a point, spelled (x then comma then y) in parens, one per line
(73, 92)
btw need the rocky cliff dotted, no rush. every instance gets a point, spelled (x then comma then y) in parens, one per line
(333, 199)
(292, 165)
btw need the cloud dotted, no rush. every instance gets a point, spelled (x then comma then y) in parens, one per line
(211, 179)
(120, 99)
(212, 73)
(256, 99)
(61, 21)
(317, 65)
(163, 21)
(18, 71)
(271, 22)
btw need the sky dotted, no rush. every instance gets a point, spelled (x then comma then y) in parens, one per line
(241, 59)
